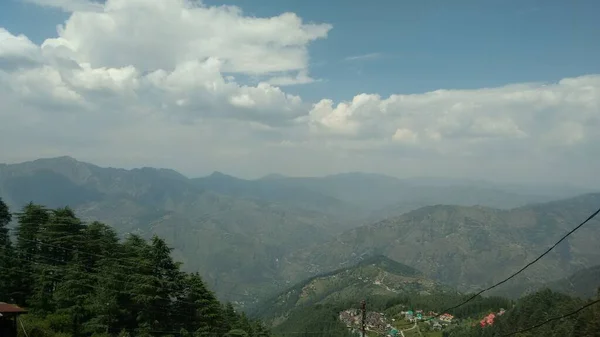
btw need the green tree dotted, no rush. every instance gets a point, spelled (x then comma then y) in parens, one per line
(30, 220)
(8, 263)
(5, 218)
(73, 296)
(80, 280)
(200, 305)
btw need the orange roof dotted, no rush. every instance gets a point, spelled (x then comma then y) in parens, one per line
(6, 308)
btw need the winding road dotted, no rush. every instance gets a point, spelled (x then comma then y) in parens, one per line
(413, 327)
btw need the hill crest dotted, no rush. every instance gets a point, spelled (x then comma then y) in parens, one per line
(375, 275)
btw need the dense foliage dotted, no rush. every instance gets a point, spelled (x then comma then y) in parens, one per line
(375, 275)
(537, 308)
(440, 302)
(78, 279)
(317, 320)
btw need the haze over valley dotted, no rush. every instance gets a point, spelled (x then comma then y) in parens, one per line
(277, 168)
(250, 238)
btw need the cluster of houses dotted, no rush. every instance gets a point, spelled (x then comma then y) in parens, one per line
(374, 321)
(435, 320)
(377, 322)
(419, 315)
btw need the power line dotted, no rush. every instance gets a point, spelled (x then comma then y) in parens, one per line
(552, 319)
(522, 269)
(176, 313)
(204, 218)
(593, 215)
(99, 271)
(104, 257)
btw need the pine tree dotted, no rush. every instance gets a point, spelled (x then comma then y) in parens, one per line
(230, 317)
(7, 260)
(200, 305)
(59, 239)
(73, 295)
(101, 252)
(79, 280)
(61, 236)
(165, 273)
(30, 220)
(5, 218)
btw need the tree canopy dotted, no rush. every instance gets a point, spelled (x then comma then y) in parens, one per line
(80, 280)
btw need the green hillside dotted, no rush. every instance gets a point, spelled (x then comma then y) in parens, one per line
(467, 247)
(250, 238)
(374, 277)
(234, 242)
(535, 309)
(583, 283)
(314, 307)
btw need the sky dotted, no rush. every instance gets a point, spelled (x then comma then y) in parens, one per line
(496, 90)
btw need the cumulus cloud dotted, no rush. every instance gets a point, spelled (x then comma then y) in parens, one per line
(17, 51)
(170, 32)
(300, 78)
(530, 112)
(69, 5)
(155, 83)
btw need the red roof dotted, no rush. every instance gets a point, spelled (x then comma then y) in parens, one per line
(6, 308)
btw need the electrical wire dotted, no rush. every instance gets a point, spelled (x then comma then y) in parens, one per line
(552, 319)
(593, 215)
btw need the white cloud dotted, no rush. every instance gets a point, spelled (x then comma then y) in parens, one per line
(120, 88)
(404, 136)
(529, 112)
(176, 31)
(69, 5)
(17, 51)
(370, 56)
(300, 78)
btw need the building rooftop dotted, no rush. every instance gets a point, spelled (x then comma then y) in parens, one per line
(6, 308)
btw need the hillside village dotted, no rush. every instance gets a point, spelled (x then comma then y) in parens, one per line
(380, 324)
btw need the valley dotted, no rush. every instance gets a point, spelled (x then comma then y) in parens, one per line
(461, 245)
(250, 238)
(294, 251)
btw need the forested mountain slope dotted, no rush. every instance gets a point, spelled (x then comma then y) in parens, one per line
(80, 280)
(234, 242)
(535, 309)
(376, 276)
(467, 247)
(268, 238)
(235, 231)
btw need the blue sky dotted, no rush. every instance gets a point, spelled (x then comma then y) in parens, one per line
(429, 45)
(419, 45)
(524, 79)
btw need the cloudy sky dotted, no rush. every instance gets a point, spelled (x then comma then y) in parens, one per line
(499, 90)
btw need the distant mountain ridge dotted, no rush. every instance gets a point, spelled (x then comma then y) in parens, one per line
(224, 237)
(241, 234)
(467, 247)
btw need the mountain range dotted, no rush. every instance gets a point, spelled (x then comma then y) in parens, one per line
(250, 238)
(467, 247)
(374, 276)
